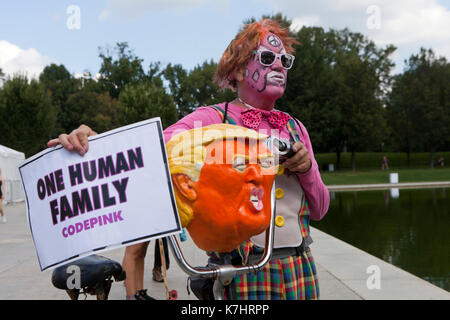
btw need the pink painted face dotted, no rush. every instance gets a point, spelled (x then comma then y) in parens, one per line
(262, 85)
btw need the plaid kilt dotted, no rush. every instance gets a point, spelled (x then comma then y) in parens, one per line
(291, 278)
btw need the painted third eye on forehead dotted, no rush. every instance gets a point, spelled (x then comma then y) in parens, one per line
(273, 40)
(272, 49)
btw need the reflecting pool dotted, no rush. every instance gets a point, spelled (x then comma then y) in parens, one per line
(408, 228)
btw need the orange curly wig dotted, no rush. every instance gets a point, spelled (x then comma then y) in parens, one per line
(232, 65)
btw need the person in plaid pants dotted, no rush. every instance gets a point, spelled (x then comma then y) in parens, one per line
(255, 65)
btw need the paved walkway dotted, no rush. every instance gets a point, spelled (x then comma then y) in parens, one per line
(342, 269)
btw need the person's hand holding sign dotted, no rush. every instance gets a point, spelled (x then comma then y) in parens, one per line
(76, 141)
(118, 163)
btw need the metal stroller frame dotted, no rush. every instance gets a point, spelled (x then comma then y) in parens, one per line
(224, 274)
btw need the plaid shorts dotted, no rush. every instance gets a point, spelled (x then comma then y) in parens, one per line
(291, 278)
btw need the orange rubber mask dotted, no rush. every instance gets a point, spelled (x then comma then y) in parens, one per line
(222, 184)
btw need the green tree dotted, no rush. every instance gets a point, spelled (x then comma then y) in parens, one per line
(146, 100)
(59, 84)
(363, 72)
(119, 67)
(176, 77)
(202, 89)
(363, 127)
(155, 74)
(97, 110)
(312, 88)
(278, 17)
(401, 116)
(27, 115)
(337, 88)
(421, 99)
(193, 89)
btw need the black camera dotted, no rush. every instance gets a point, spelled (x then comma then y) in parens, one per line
(281, 148)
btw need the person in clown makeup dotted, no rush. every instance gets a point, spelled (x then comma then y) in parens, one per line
(255, 64)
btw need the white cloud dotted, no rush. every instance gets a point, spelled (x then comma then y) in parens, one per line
(16, 60)
(407, 24)
(304, 21)
(86, 75)
(131, 9)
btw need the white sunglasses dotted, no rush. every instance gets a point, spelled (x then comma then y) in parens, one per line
(268, 58)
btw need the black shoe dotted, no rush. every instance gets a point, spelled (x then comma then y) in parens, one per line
(142, 295)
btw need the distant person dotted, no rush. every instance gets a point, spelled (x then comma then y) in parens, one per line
(2, 196)
(441, 162)
(384, 163)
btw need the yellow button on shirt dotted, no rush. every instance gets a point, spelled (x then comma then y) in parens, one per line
(280, 170)
(279, 221)
(279, 193)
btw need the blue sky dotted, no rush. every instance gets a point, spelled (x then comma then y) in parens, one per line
(188, 32)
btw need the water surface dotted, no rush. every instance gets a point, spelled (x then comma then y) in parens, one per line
(410, 231)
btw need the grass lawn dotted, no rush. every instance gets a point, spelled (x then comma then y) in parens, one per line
(372, 160)
(379, 176)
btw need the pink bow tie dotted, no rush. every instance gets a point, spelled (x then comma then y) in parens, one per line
(252, 118)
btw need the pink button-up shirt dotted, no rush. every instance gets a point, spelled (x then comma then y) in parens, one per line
(316, 192)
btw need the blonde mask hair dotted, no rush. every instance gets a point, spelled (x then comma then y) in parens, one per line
(187, 154)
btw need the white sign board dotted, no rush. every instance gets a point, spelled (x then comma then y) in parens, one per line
(119, 193)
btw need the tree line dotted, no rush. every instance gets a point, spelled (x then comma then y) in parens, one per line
(341, 87)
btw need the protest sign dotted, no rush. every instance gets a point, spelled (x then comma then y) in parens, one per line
(119, 193)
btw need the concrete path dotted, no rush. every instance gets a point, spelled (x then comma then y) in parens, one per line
(356, 271)
(342, 269)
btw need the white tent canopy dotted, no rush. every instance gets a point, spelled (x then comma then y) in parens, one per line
(9, 162)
